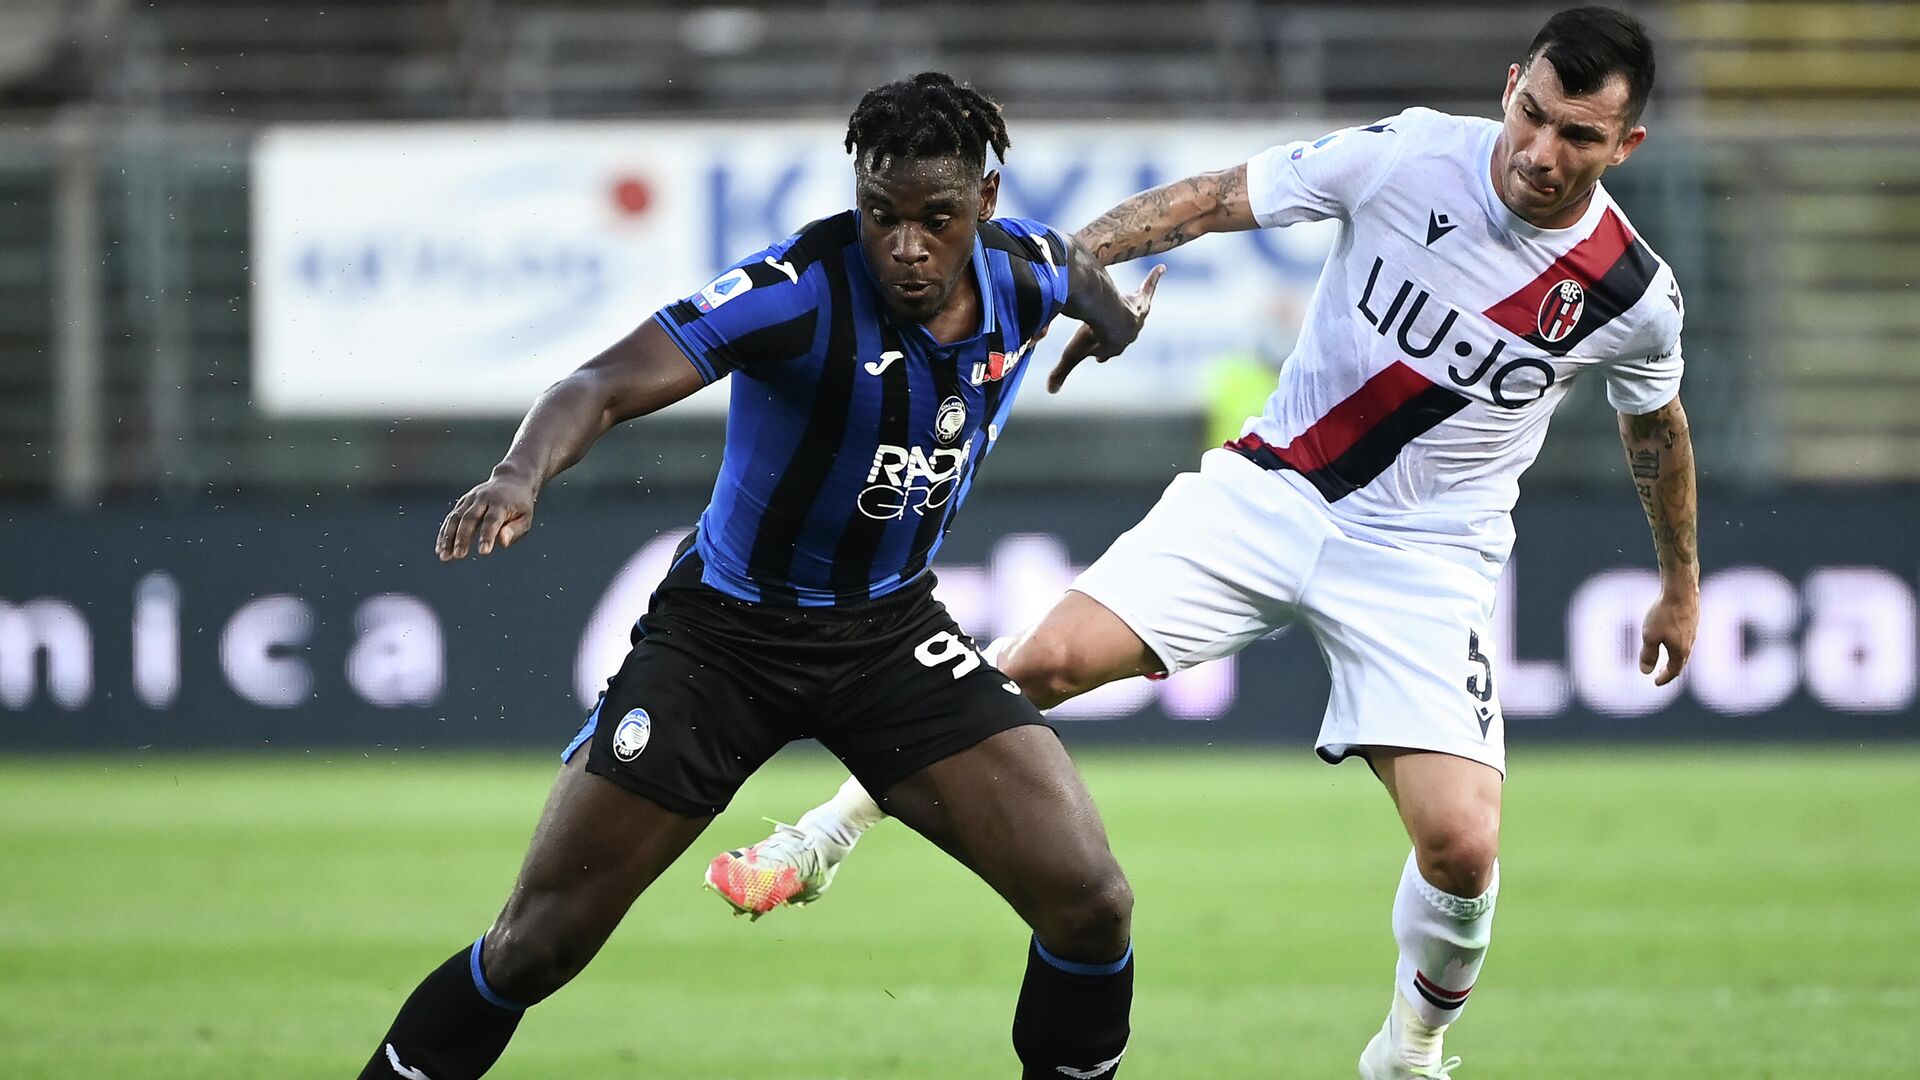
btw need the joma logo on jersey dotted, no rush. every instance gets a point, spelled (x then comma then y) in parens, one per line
(1560, 309)
(1515, 384)
(909, 477)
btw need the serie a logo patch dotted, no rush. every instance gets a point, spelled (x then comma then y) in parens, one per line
(722, 289)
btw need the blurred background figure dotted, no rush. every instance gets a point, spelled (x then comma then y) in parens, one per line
(1239, 382)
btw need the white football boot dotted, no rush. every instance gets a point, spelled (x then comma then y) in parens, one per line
(1387, 1054)
(790, 867)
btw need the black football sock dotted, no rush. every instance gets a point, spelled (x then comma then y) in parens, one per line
(1072, 1018)
(453, 1027)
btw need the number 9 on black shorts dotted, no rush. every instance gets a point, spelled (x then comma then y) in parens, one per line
(714, 686)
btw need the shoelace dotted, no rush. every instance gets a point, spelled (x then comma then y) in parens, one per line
(1445, 1071)
(790, 840)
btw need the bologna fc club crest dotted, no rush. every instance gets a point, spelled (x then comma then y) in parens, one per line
(1560, 310)
(631, 736)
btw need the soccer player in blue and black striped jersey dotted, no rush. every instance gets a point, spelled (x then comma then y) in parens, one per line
(875, 356)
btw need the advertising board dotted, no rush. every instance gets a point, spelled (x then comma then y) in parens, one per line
(331, 625)
(434, 269)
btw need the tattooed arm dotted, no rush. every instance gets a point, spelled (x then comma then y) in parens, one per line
(1660, 453)
(1170, 215)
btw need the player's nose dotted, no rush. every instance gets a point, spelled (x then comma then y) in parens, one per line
(1544, 153)
(909, 248)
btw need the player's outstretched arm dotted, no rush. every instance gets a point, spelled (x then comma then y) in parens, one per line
(1660, 453)
(1088, 340)
(642, 373)
(1109, 321)
(1165, 217)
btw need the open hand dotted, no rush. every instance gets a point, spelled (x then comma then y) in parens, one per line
(499, 511)
(1087, 343)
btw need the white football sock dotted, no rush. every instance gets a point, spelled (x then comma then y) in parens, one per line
(1443, 941)
(840, 820)
(991, 654)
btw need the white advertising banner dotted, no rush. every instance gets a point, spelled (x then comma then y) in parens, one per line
(437, 269)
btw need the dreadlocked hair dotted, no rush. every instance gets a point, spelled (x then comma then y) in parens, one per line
(926, 116)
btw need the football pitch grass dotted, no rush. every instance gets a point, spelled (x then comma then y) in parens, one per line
(1666, 913)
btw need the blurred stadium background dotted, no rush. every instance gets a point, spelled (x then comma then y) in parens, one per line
(278, 277)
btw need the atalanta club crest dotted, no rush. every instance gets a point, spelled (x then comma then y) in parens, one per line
(948, 422)
(1560, 310)
(631, 737)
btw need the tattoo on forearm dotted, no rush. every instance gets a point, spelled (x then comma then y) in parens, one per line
(1660, 456)
(1160, 219)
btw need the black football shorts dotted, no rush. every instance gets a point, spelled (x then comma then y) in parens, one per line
(714, 686)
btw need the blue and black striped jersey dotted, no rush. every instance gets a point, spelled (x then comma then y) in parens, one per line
(852, 438)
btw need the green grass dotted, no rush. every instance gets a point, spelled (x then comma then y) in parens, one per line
(1691, 914)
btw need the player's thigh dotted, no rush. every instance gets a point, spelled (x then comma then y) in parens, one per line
(1079, 644)
(690, 715)
(1405, 634)
(597, 847)
(950, 745)
(914, 696)
(1216, 564)
(1014, 809)
(1451, 808)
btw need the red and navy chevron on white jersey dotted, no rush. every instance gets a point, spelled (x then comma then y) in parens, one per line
(1445, 330)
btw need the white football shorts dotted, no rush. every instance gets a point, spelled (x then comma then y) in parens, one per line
(1232, 553)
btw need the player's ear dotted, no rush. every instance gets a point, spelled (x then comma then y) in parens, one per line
(1513, 80)
(989, 194)
(1629, 144)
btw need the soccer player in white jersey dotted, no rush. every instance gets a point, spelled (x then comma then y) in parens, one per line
(1480, 268)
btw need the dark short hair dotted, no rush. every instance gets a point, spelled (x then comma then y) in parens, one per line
(1589, 45)
(927, 116)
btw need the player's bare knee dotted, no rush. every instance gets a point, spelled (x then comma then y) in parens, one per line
(1048, 669)
(526, 964)
(1091, 923)
(1459, 859)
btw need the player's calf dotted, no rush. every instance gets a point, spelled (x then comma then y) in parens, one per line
(1072, 1018)
(453, 1026)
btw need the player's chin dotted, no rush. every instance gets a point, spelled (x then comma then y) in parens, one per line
(917, 308)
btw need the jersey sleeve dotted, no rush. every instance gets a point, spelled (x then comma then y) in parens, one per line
(1649, 376)
(1044, 248)
(759, 313)
(1328, 177)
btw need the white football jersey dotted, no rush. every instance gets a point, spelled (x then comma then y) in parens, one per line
(1444, 330)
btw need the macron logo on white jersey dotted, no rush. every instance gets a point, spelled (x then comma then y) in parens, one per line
(1098, 1070)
